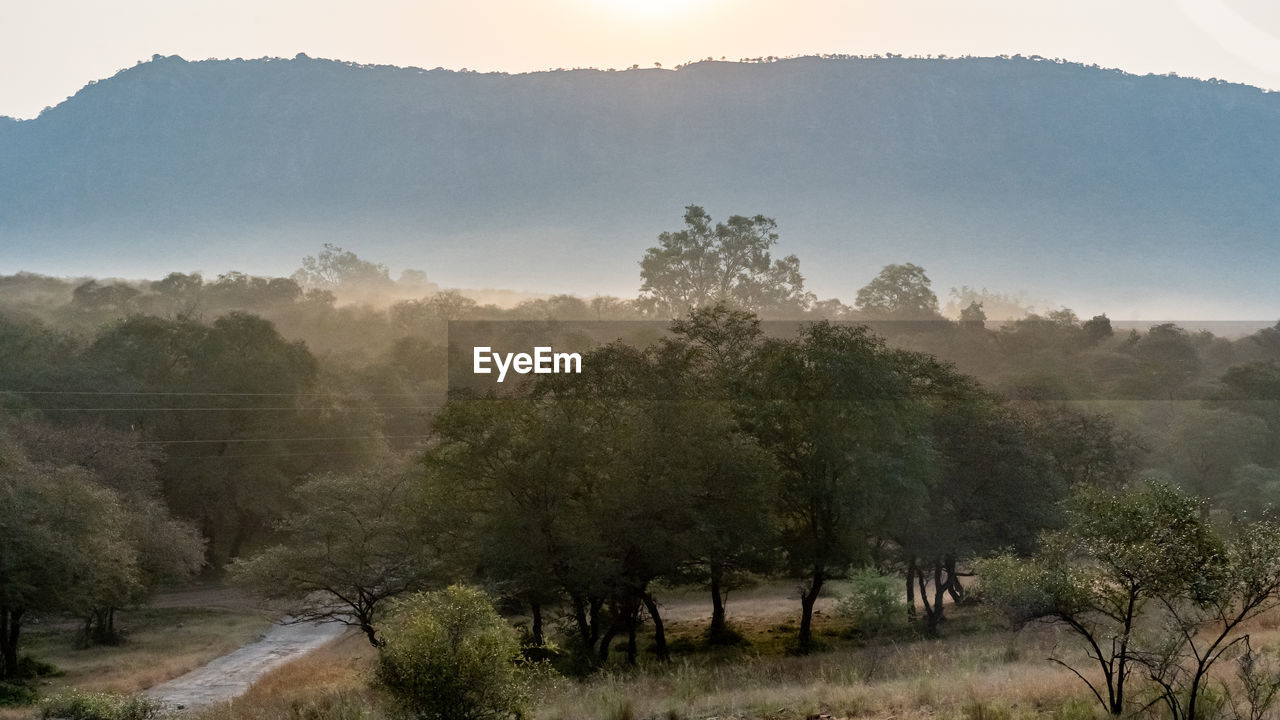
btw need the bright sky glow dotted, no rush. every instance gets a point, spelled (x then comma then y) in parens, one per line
(50, 49)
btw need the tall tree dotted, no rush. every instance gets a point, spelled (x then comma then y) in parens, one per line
(706, 263)
(899, 292)
(837, 410)
(62, 542)
(989, 488)
(167, 550)
(735, 490)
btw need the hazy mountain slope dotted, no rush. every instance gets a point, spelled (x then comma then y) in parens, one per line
(1092, 187)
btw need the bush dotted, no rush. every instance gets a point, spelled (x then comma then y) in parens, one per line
(99, 706)
(450, 656)
(15, 693)
(874, 603)
(29, 667)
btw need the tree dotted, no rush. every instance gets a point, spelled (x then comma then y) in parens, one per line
(450, 656)
(836, 409)
(1081, 447)
(995, 305)
(735, 490)
(1118, 553)
(1167, 362)
(1097, 329)
(899, 292)
(1204, 617)
(989, 488)
(336, 269)
(356, 541)
(167, 550)
(62, 540)
(725, 262)
(1205, 447)
(217, 396)
(1254, 389)
(591, 487)
(973, 316)
(505, 482)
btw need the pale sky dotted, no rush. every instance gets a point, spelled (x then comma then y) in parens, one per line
(51, 48)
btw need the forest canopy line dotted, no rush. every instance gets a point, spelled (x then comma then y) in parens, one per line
(866, 160)
(312, 449)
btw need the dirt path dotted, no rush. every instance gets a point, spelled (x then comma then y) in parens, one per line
(230, 676)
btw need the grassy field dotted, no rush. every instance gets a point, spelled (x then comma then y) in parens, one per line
(976, 672)
(160, 643)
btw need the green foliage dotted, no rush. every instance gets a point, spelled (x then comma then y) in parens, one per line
(333, 268)
(64, 542)
(874, 603)
(167, 550)
(900, 292)
(450, 656)
(16, 694)
(839, 412)
(76, 705)
(357, 540)
(229, 466)
(1144, 557)
(727, 262)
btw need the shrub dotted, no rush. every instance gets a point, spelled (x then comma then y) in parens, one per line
(874, 603)
(16, 693)
(450, 656)
(99, 706)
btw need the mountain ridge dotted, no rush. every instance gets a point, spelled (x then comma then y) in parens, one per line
(1091, 186)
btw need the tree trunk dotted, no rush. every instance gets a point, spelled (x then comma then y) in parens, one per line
(211, 543)
(606, 641)
(631, 641)
(930, 618)
(238, 539)
(934, 611)
(10, 630)
(535, 609)
(953, 580)
(716, 633)
(807, 599)
(588, 622)
(939, 594)
(911, 588)
(659, 631)
(371, 633)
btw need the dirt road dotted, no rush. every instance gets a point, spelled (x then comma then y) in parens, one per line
(230, 676)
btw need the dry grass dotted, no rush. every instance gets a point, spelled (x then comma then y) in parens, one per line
(161, 644)
(971, 674)
(975, 672)
(979, 677)
(331, 682)
(984, 675)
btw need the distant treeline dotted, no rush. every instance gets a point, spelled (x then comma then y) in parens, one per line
(199, 413)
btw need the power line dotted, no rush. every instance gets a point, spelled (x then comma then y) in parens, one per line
(159, 409)
(248, 440)
(205, 394)
(173, 458)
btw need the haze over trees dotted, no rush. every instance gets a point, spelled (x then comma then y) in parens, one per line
(312, 447)
(1074, 177)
